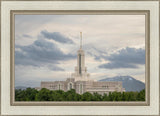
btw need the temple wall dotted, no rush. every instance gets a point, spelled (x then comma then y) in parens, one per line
(84, 86)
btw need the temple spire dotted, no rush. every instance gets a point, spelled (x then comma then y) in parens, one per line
(80, 40)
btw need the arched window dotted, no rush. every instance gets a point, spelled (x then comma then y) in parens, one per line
(70, 86)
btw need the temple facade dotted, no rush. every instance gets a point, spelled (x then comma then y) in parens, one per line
(80, 80)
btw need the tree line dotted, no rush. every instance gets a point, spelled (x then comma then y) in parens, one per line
(31, 94)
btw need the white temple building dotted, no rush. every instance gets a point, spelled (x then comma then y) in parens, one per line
(80, 80)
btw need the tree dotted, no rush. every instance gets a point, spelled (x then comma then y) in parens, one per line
(25, 95)
(30, 94)
(105, 97)
(97, 97)
(71, 95)
(43, 95)
(87, 97)
(141, 95)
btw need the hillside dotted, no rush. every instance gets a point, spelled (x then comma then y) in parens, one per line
(129, 83)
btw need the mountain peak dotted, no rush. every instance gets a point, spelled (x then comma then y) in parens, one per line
(129, 83)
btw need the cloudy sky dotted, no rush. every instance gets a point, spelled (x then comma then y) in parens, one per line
(46, 46)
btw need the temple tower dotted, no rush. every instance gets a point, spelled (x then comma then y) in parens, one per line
(80, 69)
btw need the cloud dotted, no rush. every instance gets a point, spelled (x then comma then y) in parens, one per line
(125, 58)
(56, 36)
(41, 53)
(115, 65)
(112, 32)
(27, 36)
(94, 52)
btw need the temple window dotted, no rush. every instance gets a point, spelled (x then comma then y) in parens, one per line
(81, 88)
(59, 86)
(70, 86)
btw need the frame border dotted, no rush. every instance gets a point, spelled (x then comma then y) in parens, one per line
(78, 0)
(81, 12)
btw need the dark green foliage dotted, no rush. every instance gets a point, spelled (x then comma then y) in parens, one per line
(140, 96)
(25, 95)
(71, 95)
(87, 97)
(97, 97)
(44, 94)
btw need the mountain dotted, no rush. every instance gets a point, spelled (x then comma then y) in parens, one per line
(21, 87)
(129, 83)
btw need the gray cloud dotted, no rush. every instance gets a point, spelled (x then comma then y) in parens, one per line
(41, 53)
(94, 52)
(125, 58)
(56, 36)
(27, 36)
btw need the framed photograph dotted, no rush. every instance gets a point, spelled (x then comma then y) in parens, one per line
(80, 58)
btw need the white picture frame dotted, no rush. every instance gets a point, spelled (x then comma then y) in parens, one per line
(8, 109)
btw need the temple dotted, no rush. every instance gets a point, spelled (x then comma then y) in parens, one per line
(80, 80)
